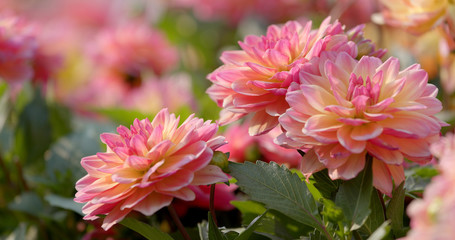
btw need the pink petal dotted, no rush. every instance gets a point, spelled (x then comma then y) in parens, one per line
(385, 155)
(138, 163)
(262, 123)
(353, 165)
(382, 179)
(185, 194)
(310, 164)
(174, 182)
(366, 131)
(209, 175)
(344, 136)
(152, 203)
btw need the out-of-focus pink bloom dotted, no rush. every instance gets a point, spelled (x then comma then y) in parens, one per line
(17, 50)
(418, 16)
(254, 80)
(134, 48)
(447, 69)
(224, 194)
(114, 90)
(234, 11)
(147, 166)
(344, 109)
(243, 147)
(432, 216)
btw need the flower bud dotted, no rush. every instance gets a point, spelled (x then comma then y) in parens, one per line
(220, 159)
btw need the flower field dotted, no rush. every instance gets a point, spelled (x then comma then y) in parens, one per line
(227, 119)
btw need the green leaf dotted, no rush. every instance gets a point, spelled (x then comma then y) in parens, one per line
(34, 130)
(214, 232)
(66, 203)
(249, 209)
(245, 235)
(28, 202)
(395, 211)
(326, 186)
(354, 197)
(381, 232)
(279, 189)
(149, 232)
(376, 217)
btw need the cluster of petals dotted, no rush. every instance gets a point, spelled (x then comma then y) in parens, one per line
(22, 56)
(133, 48)
(147, 166)
(432, 216)
(344, 109)
(254, 81)
(243, 147)
(418, 16)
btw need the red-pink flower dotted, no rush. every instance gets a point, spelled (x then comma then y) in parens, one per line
(432, 216)
(17, 49)
(224, 194)
(254, 80)
(243, 147)
(134, 49)
(148, 165)
(418, 16)
(345, 109)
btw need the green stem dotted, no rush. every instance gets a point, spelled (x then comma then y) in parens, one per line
(20, 172)
(178, 223)
(212, 204)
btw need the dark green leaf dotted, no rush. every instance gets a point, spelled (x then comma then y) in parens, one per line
(279, 189)
(60, 118)
(231, 235)
(34, 130)
(326, 186)
(214, 232)
(354, 197)
(28, 202)
(149, 232)
(249, 209)
(395, 211)
(377, 217)
(245, 235)
(66, 203)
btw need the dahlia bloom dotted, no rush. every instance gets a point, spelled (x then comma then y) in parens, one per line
(17, 49)
(134, 48)
(345, 109)
(254, 80)
(418, 16)
(148, 165)
(111, 89)
(243, 147)
(432, 216)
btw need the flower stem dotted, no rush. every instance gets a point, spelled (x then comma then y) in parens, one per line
(178, 223)
(212, 204)
(20, 172)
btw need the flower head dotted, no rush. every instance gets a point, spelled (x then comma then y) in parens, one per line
(431, 217)
(344, 109)
(255, 80)
(17, 50)
(148, 165)
(415, 16)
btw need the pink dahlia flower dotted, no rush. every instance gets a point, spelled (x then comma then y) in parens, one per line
(134, 48)
(432, 216)
(345, 109)
(148, 165)
(418, 16)
(17, 50)
(254, 80)
(243, 147)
